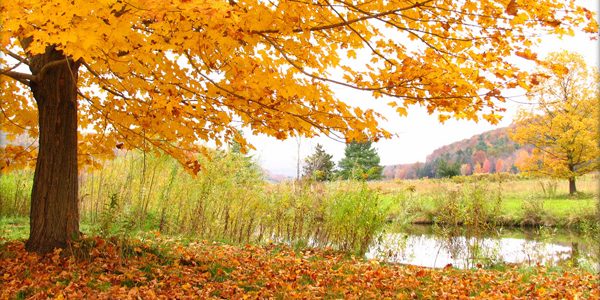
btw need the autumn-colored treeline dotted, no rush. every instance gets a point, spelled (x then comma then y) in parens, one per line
(486, 153)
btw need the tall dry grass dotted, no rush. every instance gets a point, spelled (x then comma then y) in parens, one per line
(228, 200)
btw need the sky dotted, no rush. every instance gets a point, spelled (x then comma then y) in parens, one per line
(418, 134)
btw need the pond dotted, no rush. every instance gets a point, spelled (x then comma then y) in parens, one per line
(438, 247)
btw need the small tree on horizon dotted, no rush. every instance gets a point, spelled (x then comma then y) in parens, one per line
(360, 162)
(319, 165)
(499, 165)
(465, 169)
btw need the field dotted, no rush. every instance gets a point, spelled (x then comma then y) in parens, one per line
(508, 200)
(229, 202)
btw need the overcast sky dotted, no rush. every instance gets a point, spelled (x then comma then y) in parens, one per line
(418, 134)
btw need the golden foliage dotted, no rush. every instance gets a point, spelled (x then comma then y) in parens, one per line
(166, 74)
(564, 127)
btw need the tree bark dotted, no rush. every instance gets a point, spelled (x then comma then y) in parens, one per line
(54, 215)
(572, 187)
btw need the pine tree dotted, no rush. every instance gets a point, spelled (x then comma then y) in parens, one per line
(481, 144)
(319, 166)
(446, 169)
(360, 162)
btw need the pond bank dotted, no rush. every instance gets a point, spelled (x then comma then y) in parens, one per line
(581, 222)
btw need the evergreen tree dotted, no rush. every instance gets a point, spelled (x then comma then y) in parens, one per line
(319, 166)
(446, 169)
(481, 144)
(360, 162)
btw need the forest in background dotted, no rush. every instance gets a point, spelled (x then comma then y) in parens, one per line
(489, 152)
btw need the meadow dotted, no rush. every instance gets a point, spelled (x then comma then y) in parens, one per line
(498, 199)
(229, 201)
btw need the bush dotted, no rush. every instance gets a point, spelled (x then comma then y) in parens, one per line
(533, 210)
(485, 177)
(353, 216)
(474, 205)
(450, 209)
(342, 215)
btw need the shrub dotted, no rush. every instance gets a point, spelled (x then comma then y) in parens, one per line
(475, 205)
(533, 210)
(354, 215)
(549, 187)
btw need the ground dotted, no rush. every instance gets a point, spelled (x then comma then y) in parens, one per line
(161, 269)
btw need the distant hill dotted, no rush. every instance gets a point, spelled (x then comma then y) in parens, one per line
(490, 152)
(275, 178)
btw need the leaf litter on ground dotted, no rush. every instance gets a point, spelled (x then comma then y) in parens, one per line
(110, 268)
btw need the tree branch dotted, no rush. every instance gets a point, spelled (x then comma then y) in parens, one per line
(346, 23)
(11, 68)
(360, 36)
(380, 89)
(16, 56)
(23, 78)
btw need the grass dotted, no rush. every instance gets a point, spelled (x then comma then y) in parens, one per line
(17, 228)
(513, 185)
(14, 228)
(565, 212)
(523, 201)
(560, 208)
(230, 202)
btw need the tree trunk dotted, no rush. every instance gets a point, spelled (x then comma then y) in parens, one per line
(54, 215)
(572, 187)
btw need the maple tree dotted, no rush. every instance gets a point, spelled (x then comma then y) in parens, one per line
(521, 156)
(85, 77)
(465, 169)
(563, 128)
(479, 158)
(486, 166)
(499, 166)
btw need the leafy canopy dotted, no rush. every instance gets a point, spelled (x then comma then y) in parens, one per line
(167, 74)
(564, 127)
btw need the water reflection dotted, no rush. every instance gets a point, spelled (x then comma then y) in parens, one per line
(463, 251)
